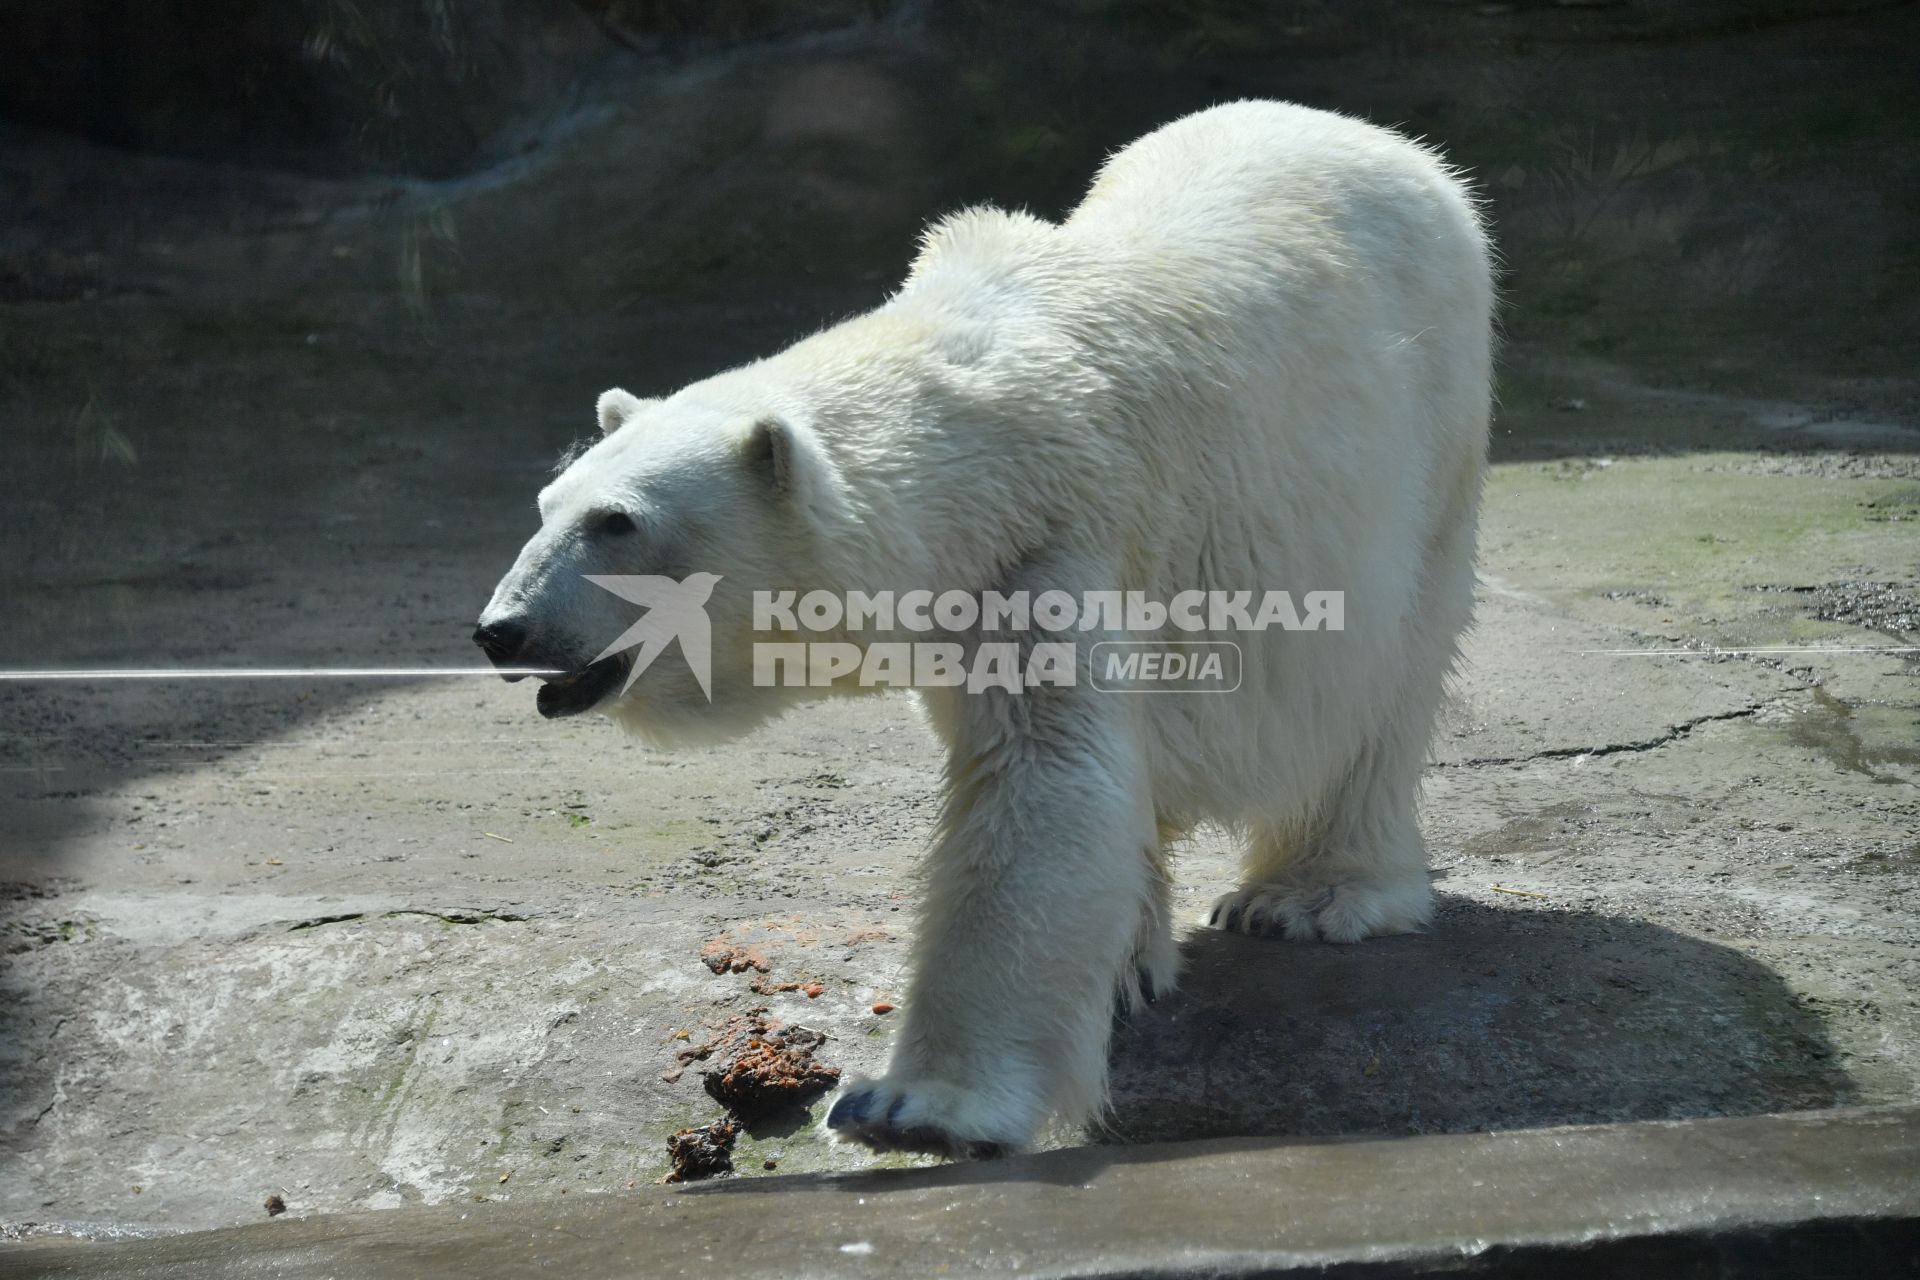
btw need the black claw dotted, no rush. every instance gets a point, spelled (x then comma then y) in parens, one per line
(1233, 919)
(1147, 992)
(930, 1139)
(849, 1111)
(1214, 919)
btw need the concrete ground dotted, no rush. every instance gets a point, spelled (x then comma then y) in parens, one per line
(367, 944)
(1822, 1196)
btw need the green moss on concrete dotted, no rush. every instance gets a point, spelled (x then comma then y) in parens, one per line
(1699, 532)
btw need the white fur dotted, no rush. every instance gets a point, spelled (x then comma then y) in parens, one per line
(1255, 357)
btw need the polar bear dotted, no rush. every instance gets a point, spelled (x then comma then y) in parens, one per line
(1256, 356)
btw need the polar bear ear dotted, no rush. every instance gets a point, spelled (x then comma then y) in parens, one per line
(774, 450)
(792, 462)
(616, 409)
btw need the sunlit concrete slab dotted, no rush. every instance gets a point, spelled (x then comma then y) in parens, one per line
(1811, 1194)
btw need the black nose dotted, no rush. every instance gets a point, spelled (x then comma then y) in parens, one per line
(500, 641)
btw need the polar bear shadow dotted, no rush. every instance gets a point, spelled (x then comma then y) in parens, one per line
(1496, 1018)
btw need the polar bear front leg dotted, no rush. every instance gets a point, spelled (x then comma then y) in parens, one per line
(1036, 886)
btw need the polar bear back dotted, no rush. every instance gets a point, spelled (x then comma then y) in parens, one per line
(1290, 170)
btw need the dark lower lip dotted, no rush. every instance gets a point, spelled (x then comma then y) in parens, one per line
(580, 691)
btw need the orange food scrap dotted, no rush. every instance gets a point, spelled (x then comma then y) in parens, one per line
(722, 956)
(773, 1070)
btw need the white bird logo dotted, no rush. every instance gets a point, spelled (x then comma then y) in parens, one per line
(675, 611)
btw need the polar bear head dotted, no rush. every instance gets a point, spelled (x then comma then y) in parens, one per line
(635, 595)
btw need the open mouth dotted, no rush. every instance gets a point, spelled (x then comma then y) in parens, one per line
(582, 690)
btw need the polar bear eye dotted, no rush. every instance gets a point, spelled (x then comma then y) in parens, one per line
(612, 523)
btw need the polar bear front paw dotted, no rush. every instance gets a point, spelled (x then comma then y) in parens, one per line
(1336, 913)
(931, 1116)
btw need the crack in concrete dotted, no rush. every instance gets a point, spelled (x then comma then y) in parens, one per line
(456, 915)
(1672, 735)
(317, 921)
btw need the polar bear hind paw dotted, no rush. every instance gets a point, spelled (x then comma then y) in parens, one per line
(1336, 913)
(1155, 974)
(888, 1116)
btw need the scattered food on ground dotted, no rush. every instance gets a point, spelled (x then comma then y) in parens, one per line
(275, 1206)
(735, 1031)
(775, 1069)
(722, 956)
(703, 1151)
(761, 987)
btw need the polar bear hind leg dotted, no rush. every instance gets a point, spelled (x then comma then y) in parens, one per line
(1358, 868)
(1358, 872)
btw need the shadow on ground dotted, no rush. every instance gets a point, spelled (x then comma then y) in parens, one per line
(1496, 1019)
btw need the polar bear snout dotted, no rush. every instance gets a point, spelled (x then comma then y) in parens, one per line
(502, 641)
(518, 648)
(571, 681)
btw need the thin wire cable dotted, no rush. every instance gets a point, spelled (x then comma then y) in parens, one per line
(271, 673)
